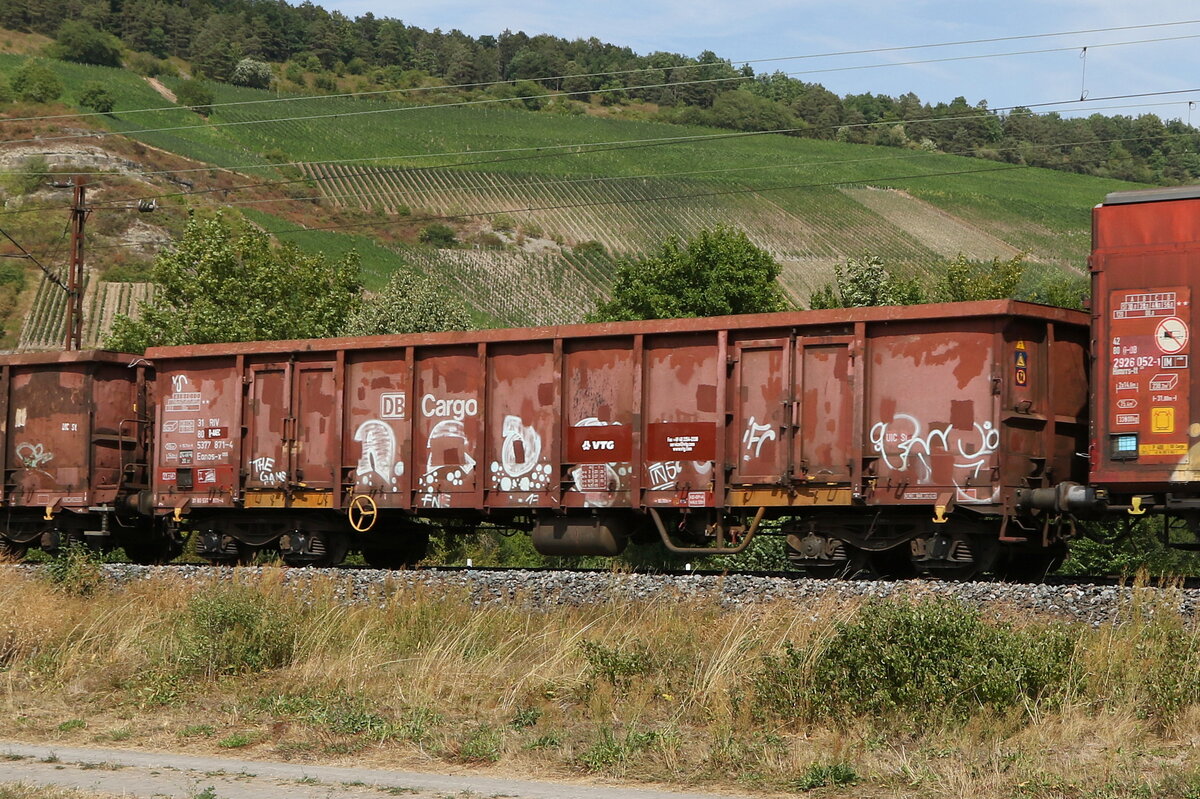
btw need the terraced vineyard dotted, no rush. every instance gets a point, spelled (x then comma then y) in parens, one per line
(626, 184)
(102, 301)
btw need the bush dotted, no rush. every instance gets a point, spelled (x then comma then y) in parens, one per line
(917, 663)
(12, 277)
(409, 303)
(76, 571)
(589, 247)
(438, 235)
(33, 174)
(34, 82)
(146, 64)
(195, 95)
(81, 42)
(234, 630)
(255, 74)
(95, 96)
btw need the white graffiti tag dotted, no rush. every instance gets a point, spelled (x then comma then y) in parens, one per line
(911, 444)
(378, 460)
(519, 467)
(755, 436)
(265, 472)
(448, 457)
(664, 474)
(33, 455)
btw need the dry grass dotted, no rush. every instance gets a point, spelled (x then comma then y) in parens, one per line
(659, 691)
(19, 790)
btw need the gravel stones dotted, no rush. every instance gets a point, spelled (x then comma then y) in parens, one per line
(1090, 604)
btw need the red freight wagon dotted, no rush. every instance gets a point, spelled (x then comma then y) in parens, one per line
(1145, 264)
(75, 451)
(900, 433)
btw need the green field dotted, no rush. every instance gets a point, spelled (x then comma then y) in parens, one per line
(575, 178)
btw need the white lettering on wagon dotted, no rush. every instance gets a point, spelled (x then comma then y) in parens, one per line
(459, 409)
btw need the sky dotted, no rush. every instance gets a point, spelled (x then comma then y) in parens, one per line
(1116, 62)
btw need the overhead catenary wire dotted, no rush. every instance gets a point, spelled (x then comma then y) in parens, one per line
(984, 114)
(495, 100)
(537, 153)
(609, 73)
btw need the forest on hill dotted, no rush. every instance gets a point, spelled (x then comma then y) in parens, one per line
(305, 48)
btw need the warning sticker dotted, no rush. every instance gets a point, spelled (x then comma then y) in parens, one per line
(1171, 335)
(1162, 420)
(1177, 448)
(1021, 364)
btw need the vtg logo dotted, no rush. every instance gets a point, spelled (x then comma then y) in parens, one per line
(599, 445)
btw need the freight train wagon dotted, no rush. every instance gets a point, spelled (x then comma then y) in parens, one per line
(1145, 447)
(887, 438)
(76, 457)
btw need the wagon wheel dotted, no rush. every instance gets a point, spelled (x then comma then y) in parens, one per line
(362, 512)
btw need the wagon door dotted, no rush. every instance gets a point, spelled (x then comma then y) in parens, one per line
(763, 404)
(825, 387)
(290, 428)
(313, 441)
(268, 419)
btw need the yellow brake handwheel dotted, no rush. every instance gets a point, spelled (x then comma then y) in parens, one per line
(362, 512)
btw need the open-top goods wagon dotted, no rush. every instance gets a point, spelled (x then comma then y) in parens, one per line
(897, 434)
(74, 439)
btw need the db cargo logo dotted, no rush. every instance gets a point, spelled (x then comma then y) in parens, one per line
(391, 405)
(1126, 404)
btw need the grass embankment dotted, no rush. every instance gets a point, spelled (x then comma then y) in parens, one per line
(879, 699)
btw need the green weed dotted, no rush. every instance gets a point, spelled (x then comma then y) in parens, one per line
(234, 630)
(198, 731)
(617, 666)
(238, 740)
(819, 775)
(481, 745)
(913, 663)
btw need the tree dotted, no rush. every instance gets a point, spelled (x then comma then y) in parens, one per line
(964, 280)
(255, 74)
(78, 41)
(410, 303)
(716, 272)
(219, 283)
(196, 95)
(95, 96)
(34, 82)
(866, 282)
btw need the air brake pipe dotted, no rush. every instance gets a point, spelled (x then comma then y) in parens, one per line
(673, 547)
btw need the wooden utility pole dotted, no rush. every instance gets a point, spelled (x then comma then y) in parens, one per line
(74, 325)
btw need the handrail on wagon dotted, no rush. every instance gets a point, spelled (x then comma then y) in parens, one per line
(718, 550)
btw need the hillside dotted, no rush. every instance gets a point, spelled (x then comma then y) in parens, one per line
(523, 191)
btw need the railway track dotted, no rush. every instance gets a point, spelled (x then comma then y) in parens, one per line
(1089, 600)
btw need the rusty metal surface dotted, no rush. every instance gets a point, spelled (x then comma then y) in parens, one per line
(1144, 266)
(815, 319)
(919, 405)
(70, 428)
